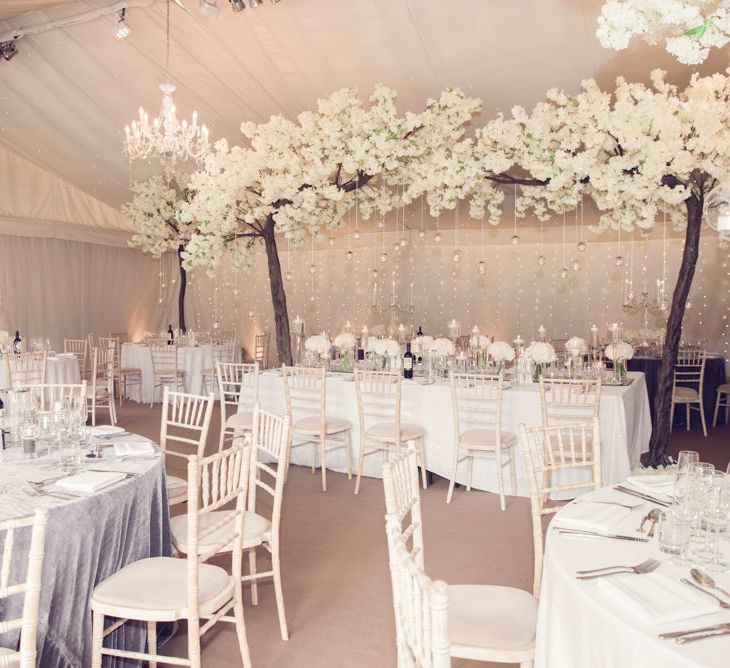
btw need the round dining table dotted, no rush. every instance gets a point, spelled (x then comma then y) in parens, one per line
(61, 369)
(88, 538)
(616, 620)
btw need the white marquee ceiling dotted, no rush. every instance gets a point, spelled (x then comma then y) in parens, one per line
(66, 96)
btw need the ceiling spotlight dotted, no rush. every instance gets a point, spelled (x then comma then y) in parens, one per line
(237, 5)
(8, 49)
(120, 28)
(208, 8)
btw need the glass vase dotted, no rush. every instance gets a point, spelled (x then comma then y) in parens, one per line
(619, 370)
(346, 361)
(537, 372)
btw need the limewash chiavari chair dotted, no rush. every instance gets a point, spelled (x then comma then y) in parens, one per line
(722, 401)
(269, 441)
(113, 341)
(238, 386)
(305, 392)
(568, 400)
(167, 589)
(485, 622)
(549, 451)
(689, 383)
(47, 395)
(421, 609)
(261, 350)
(477, 402)
(30, 589)
(224, 353)
(184, 425)
(100, 394)
(165, 371)
(80, 349)
(379, 410)
(26, 369)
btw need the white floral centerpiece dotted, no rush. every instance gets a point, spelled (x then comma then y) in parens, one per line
(442, 347)
(501, 352)
(540, 352)
(421, 345)
(388, 350)
(576, 347)
(618, 353)
(318, 344)
(345, 342)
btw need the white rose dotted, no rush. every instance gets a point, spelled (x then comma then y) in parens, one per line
(501, 351)
(575, 346)
(619, 351)
(541, 352)
(345, 341)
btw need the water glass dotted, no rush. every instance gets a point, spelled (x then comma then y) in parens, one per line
(69, 455)
(715, 512)
(674, 532)
(685, 459)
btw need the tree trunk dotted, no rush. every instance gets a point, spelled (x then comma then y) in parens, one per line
(278, 296)
(663, 400)
(181, 293)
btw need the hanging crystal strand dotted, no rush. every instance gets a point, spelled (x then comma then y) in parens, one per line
(575, 263)
(581, 242)
(437, 236)
(159, 275)
(515, 236)
(481, 266)
(288, 275)
(383, 255)
(312, 269)
(357, 185)
(422, 231)
(564, 271)
(348, 255)
(456, 256)
(619, 260)
(541, 256)
(403, 242)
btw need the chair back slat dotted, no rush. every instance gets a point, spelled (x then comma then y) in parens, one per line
(185, 422)
(164, 357)
(548, 451)
(689, 370)
(305, 391)
(378, 398)
(80, 349)
(568, 400)
(30, 588)
(477, 402)
(403, 498)
(46, 396)
(420, 606)
(261, 349)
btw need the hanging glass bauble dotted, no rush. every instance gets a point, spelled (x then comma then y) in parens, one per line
(250, 314)
(374, 273)
(356, 235)
(437, 237)
(312, 268)
(348, 255)
(331, 241)
(159, 301)
(456, 256)
(564, 273)
(396, 247)
(216, 325)
(482, 268)
(288, 276)
(582, 246)
(618, 261)
(689, 304)
(235, 292)
(515, 239)
(574, 264)
(541, 260)
(421, 234)
(403, 242)
(383, 257)
(173, 281)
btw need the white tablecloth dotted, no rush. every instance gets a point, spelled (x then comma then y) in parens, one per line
(579, 626)
(60, 369)
(193, 360)
(625, 426)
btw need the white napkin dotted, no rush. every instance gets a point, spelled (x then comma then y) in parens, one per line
(90, 481)
(591, 516)
(133, 448)
(106, 430)
(657, 598)
(661, 486)
(65, 355)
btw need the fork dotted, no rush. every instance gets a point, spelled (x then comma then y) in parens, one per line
(48, 481)
(640, 569)
(36, 491)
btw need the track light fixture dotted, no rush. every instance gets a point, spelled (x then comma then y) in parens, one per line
(119, 26)
(208, 8)
(8, 49)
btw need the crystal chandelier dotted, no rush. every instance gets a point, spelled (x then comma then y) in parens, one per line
(166, 138)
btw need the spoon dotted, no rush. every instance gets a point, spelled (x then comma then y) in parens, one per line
(653, 516)
(706, 580)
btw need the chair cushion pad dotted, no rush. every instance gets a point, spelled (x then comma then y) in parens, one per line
(724, 388)
(160, 584)
(332, 425)
(486, 439)
(255, 530)
(242, 420)
(686, 393)
(491, 616)
(385, 431)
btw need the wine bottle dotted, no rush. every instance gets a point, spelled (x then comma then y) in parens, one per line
(408, 362)
(170, 335)
(17, 343)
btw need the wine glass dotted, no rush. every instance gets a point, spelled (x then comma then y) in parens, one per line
(716, 506)
(685, 459)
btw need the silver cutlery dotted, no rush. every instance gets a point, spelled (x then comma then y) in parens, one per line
(127, 474)
(690, 632)
(653, 517)
(641, 495)
(36, 491)
(640, 569)
(563, 531)
(114, 435)
(701, 636)
(132, 458)
(723, 603)
(706, 580)
(613, 503)
(48, 481)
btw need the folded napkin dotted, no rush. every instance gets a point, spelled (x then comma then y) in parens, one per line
(134, 448)
(591, 516)
(90, 481)
(656, 598)
(657, 485)
(106, 430)
(65, 355)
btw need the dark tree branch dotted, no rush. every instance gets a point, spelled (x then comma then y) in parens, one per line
(508, 179)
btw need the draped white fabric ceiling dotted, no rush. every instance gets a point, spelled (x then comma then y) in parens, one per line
(66, 96)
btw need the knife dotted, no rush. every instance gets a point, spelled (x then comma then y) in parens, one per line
(700, 636)
(590, 534)
(641, 495)
(690, 632)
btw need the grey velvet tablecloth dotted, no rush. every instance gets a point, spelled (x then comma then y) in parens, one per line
(87, 541)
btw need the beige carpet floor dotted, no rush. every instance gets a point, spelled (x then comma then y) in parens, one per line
(335, 565)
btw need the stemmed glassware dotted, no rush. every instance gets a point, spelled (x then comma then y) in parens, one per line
(715, 511)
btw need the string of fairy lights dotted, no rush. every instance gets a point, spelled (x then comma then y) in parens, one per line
(506, 288)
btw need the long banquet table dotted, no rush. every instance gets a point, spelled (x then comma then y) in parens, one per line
(87, 540)
(624, 416)
(194, 360)
(580, 623)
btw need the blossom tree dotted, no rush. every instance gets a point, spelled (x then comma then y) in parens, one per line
(689, 28)
(154, 213)
(295, 179)
(636, 151)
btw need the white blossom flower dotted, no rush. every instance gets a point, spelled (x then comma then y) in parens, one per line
(619, 351)
(501, 351)
(319, 344)
(442, 347)
(541, 352)
(575, 346)
(345, 341)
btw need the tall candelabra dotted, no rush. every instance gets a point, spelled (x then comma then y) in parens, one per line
(644, 304)
(392, 307)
